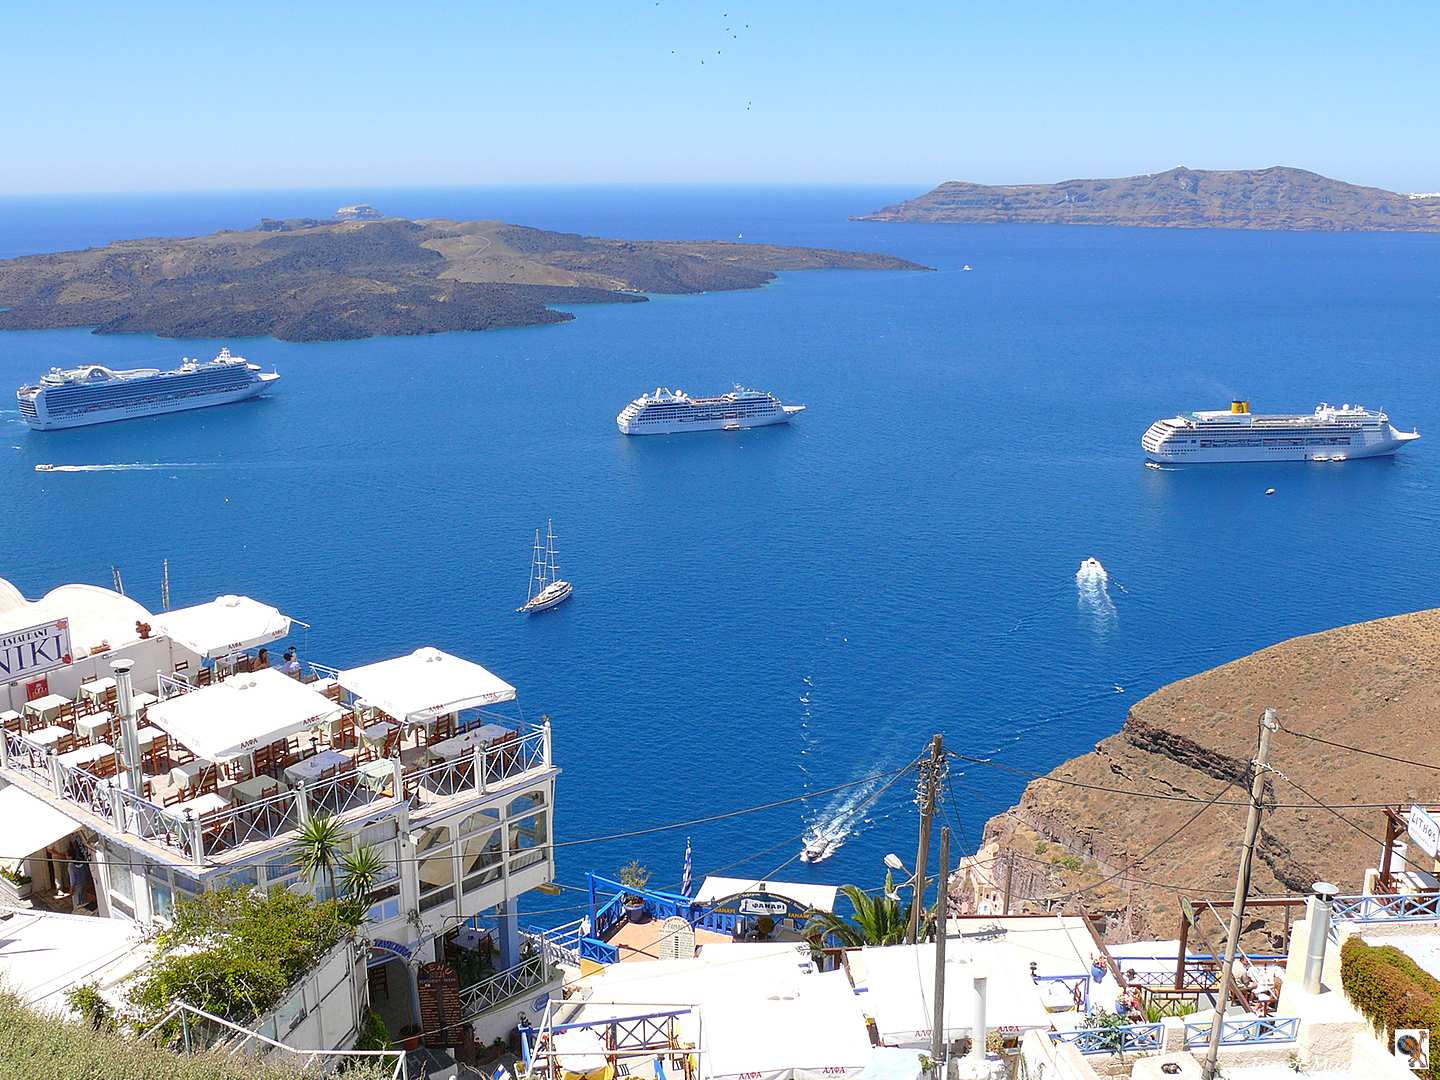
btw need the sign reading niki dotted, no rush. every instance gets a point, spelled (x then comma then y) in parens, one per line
(1424, 829)
(36, 649)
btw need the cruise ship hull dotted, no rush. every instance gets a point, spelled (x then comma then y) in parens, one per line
(148, 408)
(1188, 447)
(680, 427)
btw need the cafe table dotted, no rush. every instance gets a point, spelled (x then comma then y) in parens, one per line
(254, 789)
(183, 776)
(200, 805)
(46, 736)
(86, 755)
(46, 708)
(309, 770)
(377, 775)
(96, 689)
(93, 725)
(457, 745)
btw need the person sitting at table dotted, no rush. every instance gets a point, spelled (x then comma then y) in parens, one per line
(291, 666)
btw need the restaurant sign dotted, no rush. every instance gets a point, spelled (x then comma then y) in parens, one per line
(35, 650)
(1424, 829)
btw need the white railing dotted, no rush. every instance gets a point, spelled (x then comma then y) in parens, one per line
(501, 987)
(169, 686)
(560, 944)
(1390, 907)
(190, 1038)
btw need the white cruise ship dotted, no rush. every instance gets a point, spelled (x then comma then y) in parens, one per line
(668, 411)
(93, 394)
(1330, 433)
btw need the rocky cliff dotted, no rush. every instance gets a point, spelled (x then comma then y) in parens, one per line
(1373, 685)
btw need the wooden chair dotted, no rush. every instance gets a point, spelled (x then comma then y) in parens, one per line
(105, 766)
(392, 744)
(157, 754)
(180, 753)
(334, 692)
(444, 728)
(207, 781)
(265, 761)
(172, 796)
(204, 676)
(217, 830)
(65, 743)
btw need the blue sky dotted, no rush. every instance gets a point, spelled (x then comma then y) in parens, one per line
(158, 95)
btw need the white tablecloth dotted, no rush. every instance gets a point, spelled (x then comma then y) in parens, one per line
(182, 776)
(201, 804)
(86, 755)
(309, 770)
(468, 740)
(46, 736)
(92, 725)
(96, 688)
(46, 707)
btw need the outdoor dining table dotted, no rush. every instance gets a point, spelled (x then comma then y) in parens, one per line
(141, 700)
(93, 725)
(466, 741)
(46, 708)
(146, 735)
(254, 789)
(10, 719)
(377, 775)
(200, 805)
(309, 770)
(96, 689)
(86, 755)
(375, 734)
(183, 776)
(46, 736)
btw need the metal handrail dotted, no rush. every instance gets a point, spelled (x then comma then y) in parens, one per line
(1265, 1029)
(1393, 907)
(500, 987)
(183, 1010)
(1111, 1040)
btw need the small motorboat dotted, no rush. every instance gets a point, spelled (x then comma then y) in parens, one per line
(1320, 457)
(1152, 465)
(967, 266)
(1269, 491)
(732, 427)
(44, 468)
(820, 846)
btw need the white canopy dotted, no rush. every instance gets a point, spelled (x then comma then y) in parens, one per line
(426, 684)
(241, 714)
(225, 625)
(31, 824)
(900, 982)
(819, 897)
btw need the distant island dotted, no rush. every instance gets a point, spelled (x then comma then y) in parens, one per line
(311, 280)
(1276, 198)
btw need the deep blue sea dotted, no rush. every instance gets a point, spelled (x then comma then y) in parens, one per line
(764, 613)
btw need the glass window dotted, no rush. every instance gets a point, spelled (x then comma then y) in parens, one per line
(528, 840)
(247, 877)
(117, 870)
(435, 868)
(481, 819)
(162, 896)
(526, 803)
(480, 859)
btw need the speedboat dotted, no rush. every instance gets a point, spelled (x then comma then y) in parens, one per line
(44, 468)
(1152, 465)
(967, 266)
(820, 846)
(1269, 491)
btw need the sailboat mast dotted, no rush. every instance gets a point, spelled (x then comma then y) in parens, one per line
(550, 549)
(537, 569)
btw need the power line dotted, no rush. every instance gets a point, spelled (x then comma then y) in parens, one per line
(1359, 749)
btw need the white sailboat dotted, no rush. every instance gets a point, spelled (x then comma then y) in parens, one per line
(546, 588)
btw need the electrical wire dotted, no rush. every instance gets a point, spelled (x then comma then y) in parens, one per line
(1358, 749)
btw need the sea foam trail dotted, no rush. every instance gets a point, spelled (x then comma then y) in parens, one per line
(1092, 588)
(126, 466)
(844, 816)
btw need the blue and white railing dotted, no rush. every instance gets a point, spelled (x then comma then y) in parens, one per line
(1265, 1029)
(1121, 1039)
(1399, 907)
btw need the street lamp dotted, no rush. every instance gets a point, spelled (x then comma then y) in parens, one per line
(894, 862)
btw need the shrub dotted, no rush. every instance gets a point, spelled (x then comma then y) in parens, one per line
(234, 952)
(374, 1035)
(44, 1047)
(1392, 991)
(93, 1009)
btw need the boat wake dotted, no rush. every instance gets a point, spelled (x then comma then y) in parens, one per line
(122, 466)
(845, 816)
(1092, 588)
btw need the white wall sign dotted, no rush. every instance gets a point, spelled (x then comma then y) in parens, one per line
(35, 650)
(1424, 830)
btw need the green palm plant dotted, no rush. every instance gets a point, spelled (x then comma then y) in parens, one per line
(873, 920)
(319, 848)
(364, 870)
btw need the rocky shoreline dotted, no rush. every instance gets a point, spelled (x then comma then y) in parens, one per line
(309, 280)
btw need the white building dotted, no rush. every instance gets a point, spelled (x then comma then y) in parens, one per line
(188, 772)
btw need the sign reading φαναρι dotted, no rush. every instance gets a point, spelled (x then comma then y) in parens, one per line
(35, 650)
(1424, 830)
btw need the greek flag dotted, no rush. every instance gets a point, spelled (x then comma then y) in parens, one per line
(687, 879)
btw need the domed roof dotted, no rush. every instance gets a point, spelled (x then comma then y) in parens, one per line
(96, 615)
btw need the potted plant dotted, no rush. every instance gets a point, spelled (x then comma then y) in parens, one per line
(410, 1037)
(14, 885)
(634, 875)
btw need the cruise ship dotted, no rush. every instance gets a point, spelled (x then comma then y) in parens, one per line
(668, 411)
(1330, 433)
(93, 394)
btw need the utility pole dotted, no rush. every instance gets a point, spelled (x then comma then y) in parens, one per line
(1268, 726)
(942, 918)
(929, 778)
(1009, 875)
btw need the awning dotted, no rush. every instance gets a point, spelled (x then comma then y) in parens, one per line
(900, 981)
(241, 714)
(31, 825)
(225, 625)
(425, 684)
(819, 897)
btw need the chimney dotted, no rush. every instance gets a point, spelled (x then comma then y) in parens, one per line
(129, 740)
(1317, 914)
(977, 1020)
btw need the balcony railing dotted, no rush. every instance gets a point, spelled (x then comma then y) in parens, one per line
(196, 838)
(504, 986)
(1393, 907)
(1270, 1029)
(560, 944)
(1123, 1038)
